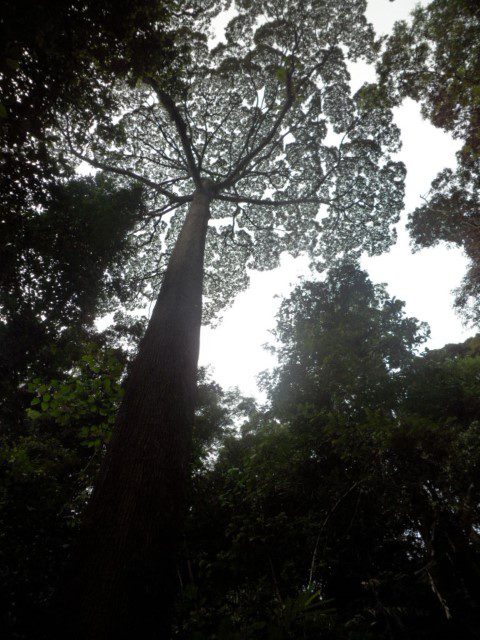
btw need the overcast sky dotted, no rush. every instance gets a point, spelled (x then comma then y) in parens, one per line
(424, 280)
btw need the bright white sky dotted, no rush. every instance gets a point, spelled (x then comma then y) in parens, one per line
(424, 280)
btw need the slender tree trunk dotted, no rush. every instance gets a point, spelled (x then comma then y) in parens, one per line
(125, 576)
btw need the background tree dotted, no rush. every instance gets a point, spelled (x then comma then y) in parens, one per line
(440, 68)
(351, 517)
(61, 266)
(342, 338)
(246, 133)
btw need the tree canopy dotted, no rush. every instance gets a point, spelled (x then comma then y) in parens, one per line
(295, 163)
(439, 67)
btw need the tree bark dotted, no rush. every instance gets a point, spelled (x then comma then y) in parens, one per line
(125, 566)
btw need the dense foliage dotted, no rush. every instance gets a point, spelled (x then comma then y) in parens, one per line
(60, 268)
(47, 472)
(347, 508)
(350, 508)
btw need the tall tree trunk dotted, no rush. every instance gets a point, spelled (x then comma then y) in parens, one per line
(124, 581)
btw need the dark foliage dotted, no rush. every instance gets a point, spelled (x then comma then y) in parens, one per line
(58, 269)
(350, 508)
(435, 60)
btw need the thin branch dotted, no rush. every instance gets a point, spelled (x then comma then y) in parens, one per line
(262, 227)
(162, 211)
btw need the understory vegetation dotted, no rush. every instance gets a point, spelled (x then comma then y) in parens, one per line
(348, 507)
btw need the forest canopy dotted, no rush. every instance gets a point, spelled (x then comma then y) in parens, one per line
(147, 172)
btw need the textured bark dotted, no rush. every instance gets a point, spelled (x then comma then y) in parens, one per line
(124, 580)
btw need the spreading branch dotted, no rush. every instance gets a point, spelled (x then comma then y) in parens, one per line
(239, 199)
(181, 127)
(130, 174)
(242, 165)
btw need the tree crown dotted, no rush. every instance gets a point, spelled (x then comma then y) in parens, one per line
(294, 161)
